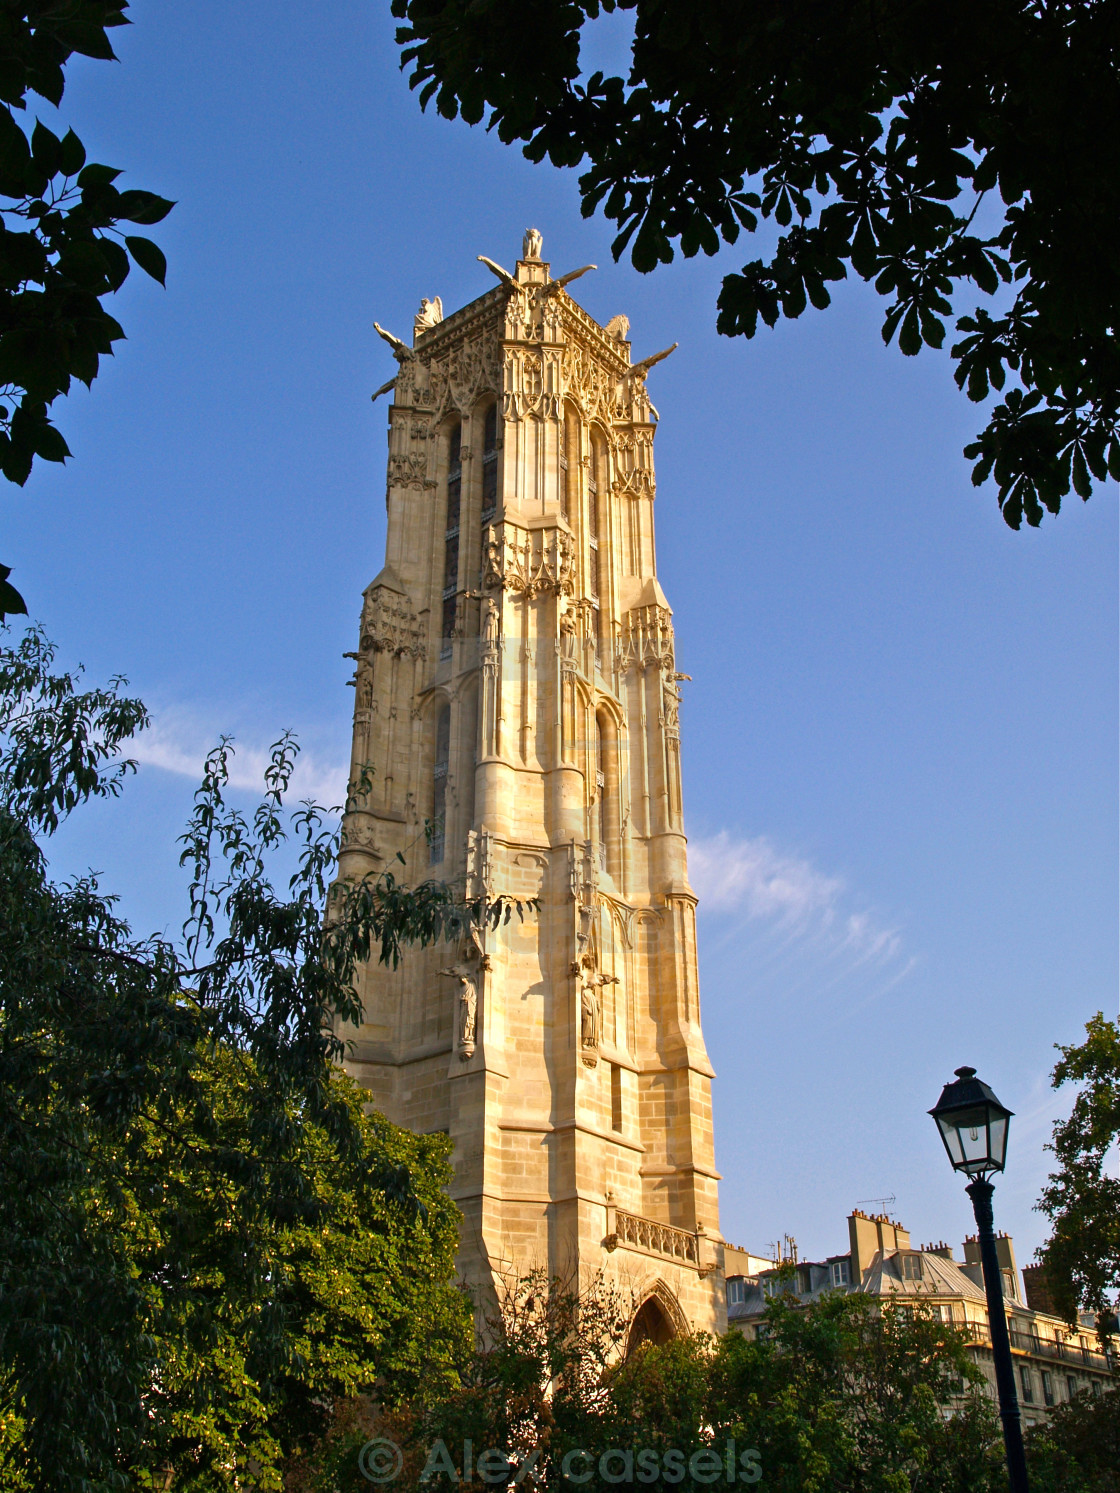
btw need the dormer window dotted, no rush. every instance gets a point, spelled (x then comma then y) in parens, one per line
(736, 1290)
(910, 1267)
(839, 1274)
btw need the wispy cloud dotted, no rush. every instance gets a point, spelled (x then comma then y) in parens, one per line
(178, 741)
(806, 926)
(752, 877)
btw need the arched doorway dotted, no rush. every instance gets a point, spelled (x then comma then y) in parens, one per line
(654, 1322)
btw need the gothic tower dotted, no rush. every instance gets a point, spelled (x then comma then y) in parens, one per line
(517, 693)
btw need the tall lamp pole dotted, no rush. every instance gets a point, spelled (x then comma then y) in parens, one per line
(973, 1126)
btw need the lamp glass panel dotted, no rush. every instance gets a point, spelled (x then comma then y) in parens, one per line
(971, 1149)
(952, 1140)
(999, 1141)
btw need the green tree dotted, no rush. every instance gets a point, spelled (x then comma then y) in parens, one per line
(1082, 1198)
(203, 1238)
(1077, 1448)
(846, 1393)
(62, 250)
(933, 149)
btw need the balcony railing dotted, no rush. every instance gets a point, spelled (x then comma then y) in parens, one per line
(1029, 1342)
(654, 1238)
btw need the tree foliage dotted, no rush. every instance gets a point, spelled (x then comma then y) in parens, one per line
(846, 1393)
(204, 1237)
(62, 247)
(1077, 1448)
(1082, 1198)
(934, 149)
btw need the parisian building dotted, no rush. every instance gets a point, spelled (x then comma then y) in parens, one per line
(516, 733)
(1054, 1361)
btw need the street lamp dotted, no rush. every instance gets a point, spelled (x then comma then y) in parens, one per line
(973, 1125)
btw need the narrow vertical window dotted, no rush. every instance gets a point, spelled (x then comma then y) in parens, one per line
(616, 1097)
(437, 844)
(593, 524)
(451, 538)
(596, 530)
(569, 464)
(601, 791)
(490, 464)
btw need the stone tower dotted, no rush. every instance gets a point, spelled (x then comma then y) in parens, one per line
(517, 709)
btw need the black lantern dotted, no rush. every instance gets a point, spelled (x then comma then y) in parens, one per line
(973, 1125)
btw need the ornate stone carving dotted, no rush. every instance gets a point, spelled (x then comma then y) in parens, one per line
(647, 638)
(429, 315)
(671, 703)
(531, 244)
(592, 981)
(466, 1008)
(618, 326)
(644, 1234)
(389, 625)
(531, 384)
(589, 385)
(409, 470)
(358, 835)
(528, 561)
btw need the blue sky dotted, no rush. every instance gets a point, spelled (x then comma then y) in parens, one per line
(900, 739)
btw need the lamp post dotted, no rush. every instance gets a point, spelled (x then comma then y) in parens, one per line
(973, 1126)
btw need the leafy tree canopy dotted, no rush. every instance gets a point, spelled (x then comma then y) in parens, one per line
(204, 1238)
(935, 148)
(845, 1393)
(1082, 1198)
(1077, 1448)
(62, 249)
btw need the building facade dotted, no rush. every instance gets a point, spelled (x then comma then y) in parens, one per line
(517, 722)
(1053, 1362)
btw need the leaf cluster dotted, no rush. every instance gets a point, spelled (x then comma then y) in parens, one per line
(933, 149)
(1082, 1196)
(206, 1240)
(1077, 1448)
(846, 1393)
(62, 247)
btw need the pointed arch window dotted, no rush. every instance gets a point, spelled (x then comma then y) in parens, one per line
(438, 842)
(597, 569)
(451, 538)
(490, 464)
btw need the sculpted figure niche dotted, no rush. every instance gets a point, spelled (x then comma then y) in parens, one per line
(592, 981)
(467, 1007)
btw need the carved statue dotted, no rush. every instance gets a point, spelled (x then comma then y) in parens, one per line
(590, 1003)
(429, 315)
(490, 621)
(618, 326)
(503, 275)
(468, 1006)
(588, 1017)
(401, 351)
(531, 245)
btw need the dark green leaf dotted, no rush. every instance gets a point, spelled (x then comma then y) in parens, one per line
(149, 257)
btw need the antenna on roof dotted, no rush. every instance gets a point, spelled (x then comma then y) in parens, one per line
(862, 1202)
